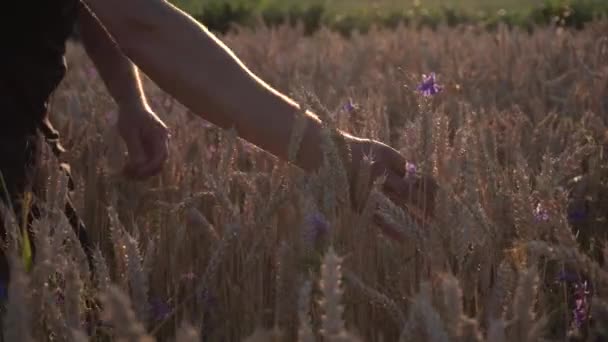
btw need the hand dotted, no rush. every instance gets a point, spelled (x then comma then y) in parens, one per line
(147, 140)
(407, 189)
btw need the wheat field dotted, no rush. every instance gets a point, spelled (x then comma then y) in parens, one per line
(230, 244)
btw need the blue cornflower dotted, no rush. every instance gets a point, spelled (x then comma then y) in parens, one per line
(59, 297)
(541, 214)
(577, 215)
(580, 311)
(429, 86)
(207, 299)
(316, 229)
(568, 277)
(350, 106)
(410, 169)
(160, 309)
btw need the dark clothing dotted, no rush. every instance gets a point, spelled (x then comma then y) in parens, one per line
(32, 61)
(32, 65)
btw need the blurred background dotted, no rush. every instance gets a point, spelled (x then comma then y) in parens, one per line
(360, 15)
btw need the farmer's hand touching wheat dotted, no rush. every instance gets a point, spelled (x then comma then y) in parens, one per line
(146, 137)
(404, 186)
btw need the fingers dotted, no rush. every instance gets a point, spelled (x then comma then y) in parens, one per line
(157, 152)
(394, 160)
(137, 155)
(415, 193)
(147, 154)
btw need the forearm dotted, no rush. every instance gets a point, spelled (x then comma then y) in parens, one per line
(118, 73)
(188, 62)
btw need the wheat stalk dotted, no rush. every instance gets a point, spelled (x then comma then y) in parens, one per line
(187, 333)
(331, 287)
(119, 314)
(17, 321)
(305, 332)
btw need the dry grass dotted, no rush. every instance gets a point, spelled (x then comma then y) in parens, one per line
(221, 244)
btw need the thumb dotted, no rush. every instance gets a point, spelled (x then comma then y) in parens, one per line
(136, 153)
(157, 150)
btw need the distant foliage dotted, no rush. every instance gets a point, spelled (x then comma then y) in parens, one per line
(222, 15)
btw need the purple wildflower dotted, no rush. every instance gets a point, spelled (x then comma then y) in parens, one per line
(580, 312)
(316, 228)
(59, 297)
(577, 215)
(207, 299)
(541, 214)
(568, 277)
(410, 169)
(160, 309)
(580, 304)
(429, 86)
(350, 106)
